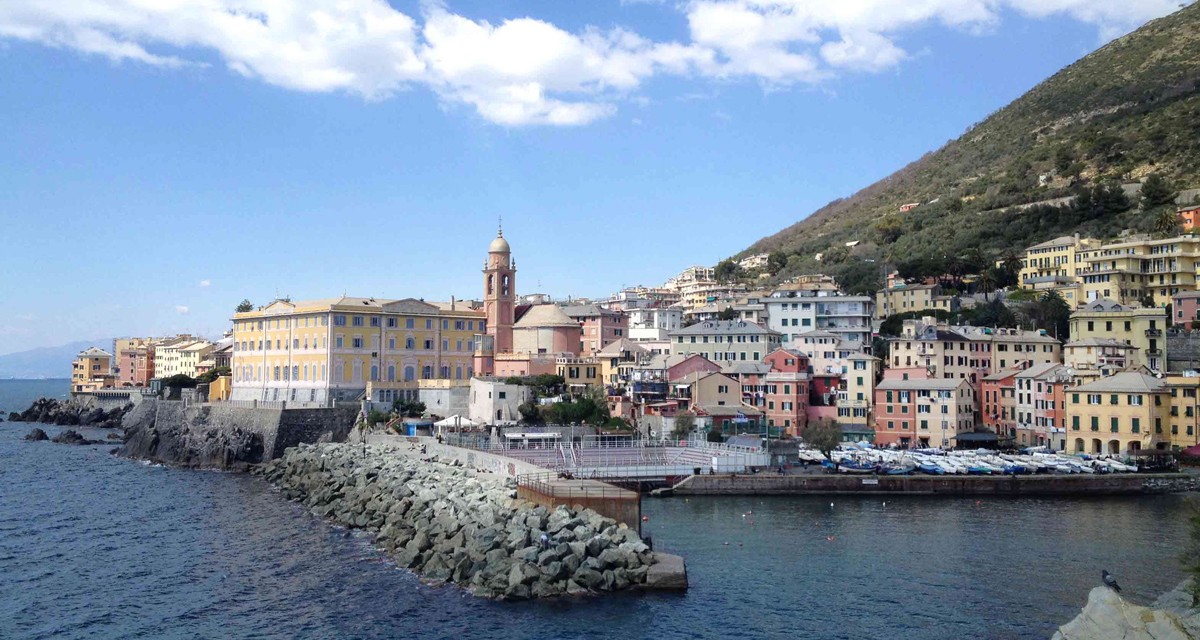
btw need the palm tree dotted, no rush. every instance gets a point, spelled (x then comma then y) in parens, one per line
(986, 282)
(1011, 262)
(1166, 222)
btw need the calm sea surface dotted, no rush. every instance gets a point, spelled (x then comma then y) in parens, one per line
(92, 546)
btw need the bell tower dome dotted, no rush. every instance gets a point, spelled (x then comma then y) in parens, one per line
(500, 293)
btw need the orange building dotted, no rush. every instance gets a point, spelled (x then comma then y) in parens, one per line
(1188, 216)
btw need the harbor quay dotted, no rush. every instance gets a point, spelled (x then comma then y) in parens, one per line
(1014, 486)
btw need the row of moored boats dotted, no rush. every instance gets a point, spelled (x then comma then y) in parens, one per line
(855, 459)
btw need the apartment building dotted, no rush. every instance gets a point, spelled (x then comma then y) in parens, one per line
(92, 370)
(1041, 415)
(725, 341)
(903, 298)
(1057, 265)
(1119, 414)
(318, 350)
(915, 409)
(1140, 267)
(599, 327)
(1138, 327)
(847, 316)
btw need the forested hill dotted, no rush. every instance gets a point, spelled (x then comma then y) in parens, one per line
(1125, 112)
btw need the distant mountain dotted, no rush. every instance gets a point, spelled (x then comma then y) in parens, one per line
(46, 362)
(1124, 112)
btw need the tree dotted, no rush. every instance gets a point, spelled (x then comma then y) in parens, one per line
(1156, 191)
(776, 262)
(1063, 159)
(244, 306)
(531, 413)
(714, 436)
(685, 422)
(727, 313)
(409, 408)
(180, 380)
(835, 255)
(1166, 222)
(823, 435)
(212, 374)
(1051, 313)
(889, 229)
(1191, 556)
(727, 270)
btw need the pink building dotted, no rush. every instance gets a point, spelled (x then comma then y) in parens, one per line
(1185, 305)
(136, 366)
(787, 388)
(598, 327)
(998, 396)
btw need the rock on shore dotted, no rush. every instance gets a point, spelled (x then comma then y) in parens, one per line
(1109, 616)
(451, 526)
(193, 444)
(70, 413)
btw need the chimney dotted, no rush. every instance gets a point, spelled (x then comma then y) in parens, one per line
(452, 303)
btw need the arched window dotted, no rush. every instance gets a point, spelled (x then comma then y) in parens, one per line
(445, 371)
(426, 372)
(504, 285)
(410, 374)
(391, 373)
(374, 372)
(491, 284)
(458, 372)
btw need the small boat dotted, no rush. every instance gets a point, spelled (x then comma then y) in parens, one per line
(898, 469)
(931, 469)
(852, 466)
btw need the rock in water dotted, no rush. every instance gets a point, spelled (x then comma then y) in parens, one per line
(71, 436)
(1108, 615)
(37, 435)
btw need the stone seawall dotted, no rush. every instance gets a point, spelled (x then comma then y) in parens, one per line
(451, 525)
(767, 484)
(219, 436)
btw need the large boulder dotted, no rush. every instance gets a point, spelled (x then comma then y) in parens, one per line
(1108, 615)
(71, 436)
(37, 435)
(667, 573)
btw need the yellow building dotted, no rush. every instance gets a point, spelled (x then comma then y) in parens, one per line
(618, 360)
(180, 355)
(578, 372)
(1119, 415)
(903, 298)
(1183, 430)
(855, 404)
(1056, 265)
(1138, 327)
(1141, 267)
(323, 350)
(91, 370)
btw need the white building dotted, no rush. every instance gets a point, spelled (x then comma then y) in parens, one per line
(847, 316)
(494, 402)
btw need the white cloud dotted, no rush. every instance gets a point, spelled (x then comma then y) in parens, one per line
(206, 283)
(181, 309)
(522, 71)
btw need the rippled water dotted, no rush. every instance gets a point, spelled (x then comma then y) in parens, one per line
(92, 546)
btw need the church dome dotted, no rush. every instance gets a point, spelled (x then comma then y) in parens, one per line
(499, 245)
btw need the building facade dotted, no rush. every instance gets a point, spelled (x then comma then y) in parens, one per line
(323, 350)
(725, 341)
(92, 370)
(1141, 328)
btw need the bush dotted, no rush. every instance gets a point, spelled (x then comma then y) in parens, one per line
(715, 436)
(377, 417)
(212, 374)
(179, 381)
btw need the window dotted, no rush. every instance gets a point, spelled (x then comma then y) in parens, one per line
(375, 321)
(1075, 423)
(1115, 423)
(358, 343)
(357, 321)
(1095, 423)
(339, 321)
(1136, 425)
(1112, 399)
(409, 343)
(391, 323)
(1135, 400)
(338, 341)
(408, 323)
(428, 345)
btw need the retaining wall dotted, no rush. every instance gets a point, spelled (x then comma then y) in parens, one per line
(766, 484)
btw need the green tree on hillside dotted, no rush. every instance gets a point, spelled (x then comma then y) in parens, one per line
(1156, 192)
(1166, 222)
(776, 262)
(727, 270)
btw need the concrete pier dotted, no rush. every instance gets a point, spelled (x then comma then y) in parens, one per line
(1035, 485)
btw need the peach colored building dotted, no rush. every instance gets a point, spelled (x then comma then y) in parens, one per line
(913, 409)
(1041, 406)
(599, 327)
(1188, 217)
(135, 366)
(1185, 307)
(998, 398)
(787, 390)
(545, 329)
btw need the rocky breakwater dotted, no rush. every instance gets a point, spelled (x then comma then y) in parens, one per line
(450, 525)
(70, 413)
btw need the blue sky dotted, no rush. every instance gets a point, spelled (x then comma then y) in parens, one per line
(157, 169)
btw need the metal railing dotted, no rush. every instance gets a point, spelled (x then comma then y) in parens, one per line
(548, 484)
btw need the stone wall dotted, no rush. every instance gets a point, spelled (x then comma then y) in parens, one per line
(220, 436)
(1183, 351)
(768, 483)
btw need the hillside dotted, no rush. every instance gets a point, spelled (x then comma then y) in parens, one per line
(46, 362)
(1129, 109)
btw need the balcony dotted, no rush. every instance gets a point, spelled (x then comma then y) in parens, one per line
(1154, 353)
(1153, 333)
